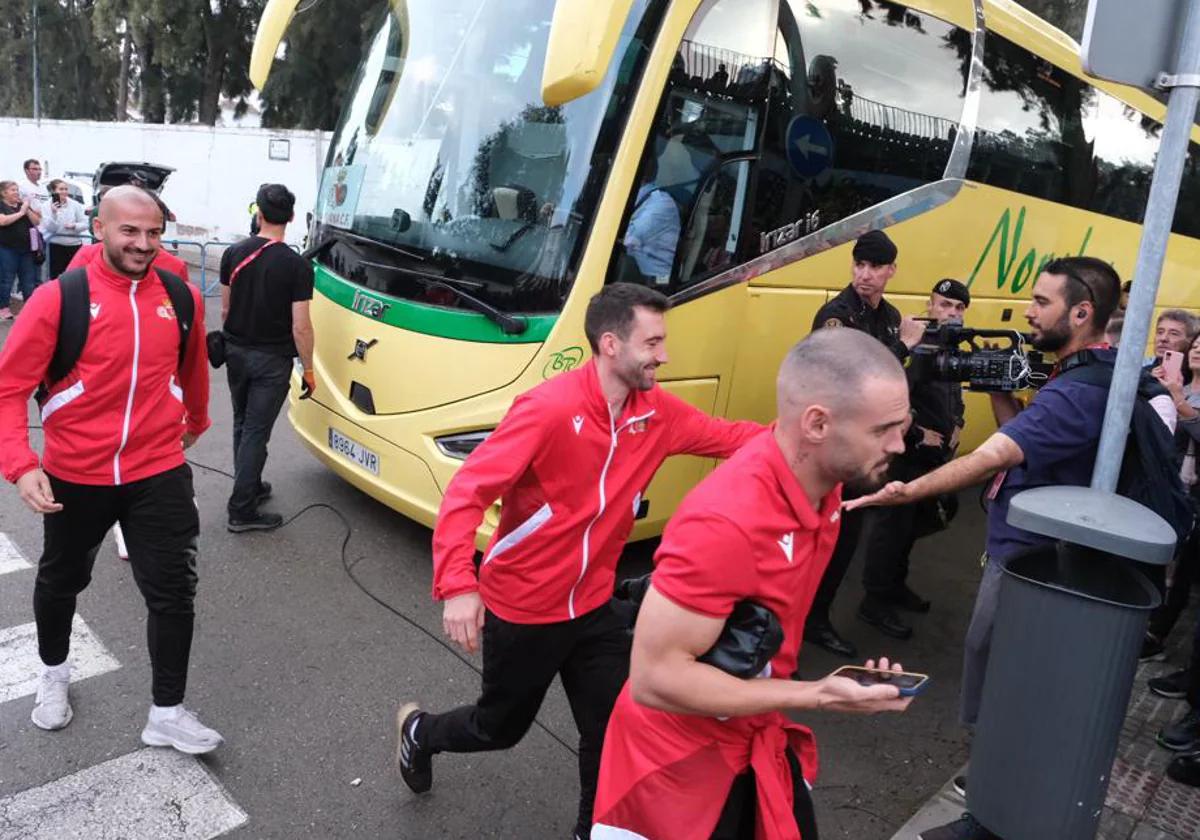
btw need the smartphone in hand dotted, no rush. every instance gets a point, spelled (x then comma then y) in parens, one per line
(910, 684)
(1172, 364)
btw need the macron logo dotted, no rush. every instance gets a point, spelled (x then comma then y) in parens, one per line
(837, 514)
(577, 422)
(785, 542)
(95, 307)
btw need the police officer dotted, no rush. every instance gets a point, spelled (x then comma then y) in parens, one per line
(859, 306)
(931, 441)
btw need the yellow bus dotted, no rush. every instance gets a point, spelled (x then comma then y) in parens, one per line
(493, 158)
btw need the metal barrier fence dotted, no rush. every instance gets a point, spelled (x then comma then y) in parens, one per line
(207, 289)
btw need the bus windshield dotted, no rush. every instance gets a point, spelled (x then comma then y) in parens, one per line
(448, 181)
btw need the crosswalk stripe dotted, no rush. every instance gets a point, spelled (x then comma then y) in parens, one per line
(20, 665)
(11, 558)
(151, 794)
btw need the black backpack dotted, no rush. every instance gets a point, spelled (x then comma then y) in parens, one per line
(75, 318)
(1150, 469)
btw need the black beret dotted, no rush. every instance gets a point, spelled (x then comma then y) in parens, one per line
(875, 247)
(953, 289)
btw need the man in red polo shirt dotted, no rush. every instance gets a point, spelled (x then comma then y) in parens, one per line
(691, 751)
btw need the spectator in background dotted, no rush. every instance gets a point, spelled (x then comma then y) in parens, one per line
(63, 220)
(17, 219)
(265, 292)
(1174, 330)
(1112, 333)
(1182, 735)
(31, 188)
(1126, 288)
(1185, 392)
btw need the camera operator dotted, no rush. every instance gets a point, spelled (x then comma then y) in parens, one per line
(937, 409)
(1052, 442)
(860, 306)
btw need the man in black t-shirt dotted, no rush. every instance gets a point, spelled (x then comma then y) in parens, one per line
(265, 292)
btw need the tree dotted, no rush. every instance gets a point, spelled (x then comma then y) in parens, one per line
(77, 71)
(322, 50)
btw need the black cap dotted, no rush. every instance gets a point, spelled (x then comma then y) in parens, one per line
(953, 289)
(275, 202)
(875, 247)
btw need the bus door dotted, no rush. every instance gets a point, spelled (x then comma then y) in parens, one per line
(686, 221)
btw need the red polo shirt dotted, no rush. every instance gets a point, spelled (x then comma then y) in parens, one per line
(748, 531)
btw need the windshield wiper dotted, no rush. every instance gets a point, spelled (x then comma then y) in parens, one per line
(508, 324)
(336, 234)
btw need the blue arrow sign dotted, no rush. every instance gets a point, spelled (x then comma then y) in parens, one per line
(809, 146)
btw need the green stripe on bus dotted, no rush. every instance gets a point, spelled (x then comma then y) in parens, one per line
(422, 318)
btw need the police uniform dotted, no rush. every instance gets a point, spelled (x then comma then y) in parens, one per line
(849, 310)
(938, 406)
(882, 323)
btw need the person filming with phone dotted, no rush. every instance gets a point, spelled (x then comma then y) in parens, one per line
(63, 220)
(697, 747)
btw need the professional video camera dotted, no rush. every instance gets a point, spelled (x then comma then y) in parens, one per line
(1007, 368)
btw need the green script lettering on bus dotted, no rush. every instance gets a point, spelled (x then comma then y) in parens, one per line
(1006, 236)
(371, 307)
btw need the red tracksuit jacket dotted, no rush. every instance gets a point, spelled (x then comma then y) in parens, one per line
(120, 414)
(570, 479)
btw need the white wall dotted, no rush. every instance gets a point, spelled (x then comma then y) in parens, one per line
(218, 170)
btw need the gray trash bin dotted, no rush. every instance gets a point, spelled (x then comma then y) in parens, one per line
(1068, 630)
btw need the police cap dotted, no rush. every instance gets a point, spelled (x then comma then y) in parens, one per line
(953, 289)
(875, 247)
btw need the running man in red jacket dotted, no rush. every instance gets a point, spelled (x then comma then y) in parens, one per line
(115, 430)
(569, 463)
(692, 752)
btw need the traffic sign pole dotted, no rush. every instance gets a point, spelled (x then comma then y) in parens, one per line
(1184, 86)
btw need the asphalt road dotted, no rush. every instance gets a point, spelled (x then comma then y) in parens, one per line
(302, 672)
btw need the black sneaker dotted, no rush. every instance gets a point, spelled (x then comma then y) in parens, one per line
(879, 614)
(905, 599)
(259, 522)
(965, 827)
(264, 492)
(414, 763)
(1172, 686)
(959, 783)
(1153, 649)
(1182, 735)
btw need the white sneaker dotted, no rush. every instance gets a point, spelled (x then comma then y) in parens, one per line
(181, 729)
(52, 709)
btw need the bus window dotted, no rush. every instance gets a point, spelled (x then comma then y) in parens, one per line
(865, 106)
(685, 218)
(1046, 133)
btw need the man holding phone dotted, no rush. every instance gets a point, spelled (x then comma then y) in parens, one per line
(693, 752)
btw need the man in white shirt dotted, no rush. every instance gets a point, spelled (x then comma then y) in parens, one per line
(31, 189)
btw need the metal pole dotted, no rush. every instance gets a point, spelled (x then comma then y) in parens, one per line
(1160, 212)
(37, 89)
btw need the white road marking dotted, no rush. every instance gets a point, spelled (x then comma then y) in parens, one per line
(20, 665)
(11, 558)
(151, 794)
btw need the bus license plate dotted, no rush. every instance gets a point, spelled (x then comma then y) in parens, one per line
(353, 451)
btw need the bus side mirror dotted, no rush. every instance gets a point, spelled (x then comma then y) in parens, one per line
(583, 37)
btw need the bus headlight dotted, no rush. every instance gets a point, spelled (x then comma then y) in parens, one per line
(461, 445)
